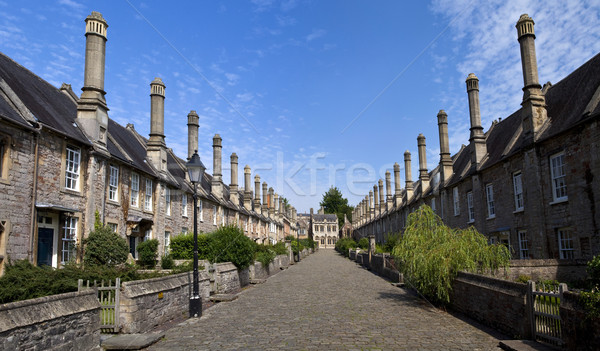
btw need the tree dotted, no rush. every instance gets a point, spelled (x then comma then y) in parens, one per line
(334, 202)
(103, 247)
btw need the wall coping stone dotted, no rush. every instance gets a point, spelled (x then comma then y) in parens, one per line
(34, 311)
(137, 288)
(224, 267)
(514, 288)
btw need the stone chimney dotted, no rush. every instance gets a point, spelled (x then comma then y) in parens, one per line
(397, 187)
(276, 208)
(233, 186)
(157, 149)
(408, 176)
(371, 205)
(257, 206)
(423, 175)
(388, 189)
(192, 132)
(248, 189)
(217, 180)
(445, 159)
(92, 111)
(534, 113)
(477, 139)
(265, 200)
(375, 200)
(381, 197)
(271, 203)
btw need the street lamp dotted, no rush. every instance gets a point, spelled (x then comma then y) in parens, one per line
(195, 171)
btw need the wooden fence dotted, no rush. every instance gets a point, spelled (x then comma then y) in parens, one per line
(108, 296)
(544, 300)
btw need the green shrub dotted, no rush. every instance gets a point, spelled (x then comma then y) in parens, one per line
(148, 252)
(363, 243)
(431, 254)
(280, 248)
(182, 246)
(167, 262)
(391, 242)
(265, 257)
(297, 246)
(229, 244)
(591, 303)
(289, 238)
(308, 243)
(344, 244)
(523, 278)
(103, 247)
(593, 270)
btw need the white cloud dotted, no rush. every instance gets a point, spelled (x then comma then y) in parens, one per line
(316, 33)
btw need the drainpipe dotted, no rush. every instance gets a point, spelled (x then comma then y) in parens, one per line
(32, 223)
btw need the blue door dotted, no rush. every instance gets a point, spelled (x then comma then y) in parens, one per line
(45, 246)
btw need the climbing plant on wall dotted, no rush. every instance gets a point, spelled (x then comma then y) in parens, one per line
(431, 254)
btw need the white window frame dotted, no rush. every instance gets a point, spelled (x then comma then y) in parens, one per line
(148, 195)
(518, 190)
(558, 175)
(184, 207)
(148, 234)
(523, 245)
(456, 201)
(214, 215)
(433, 204)
(68, 239)
(113, 184)
(222, 212)
(565, 244)
(113, 226)
(470, 207)
(135, 190)
(72, 167)
(167, 241)
(489, 195)
(168, 200)
(200, 211)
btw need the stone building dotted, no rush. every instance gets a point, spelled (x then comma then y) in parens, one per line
(324, 228)
(530, 181)
(62, 159)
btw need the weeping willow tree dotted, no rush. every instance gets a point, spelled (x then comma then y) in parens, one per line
(431, 254)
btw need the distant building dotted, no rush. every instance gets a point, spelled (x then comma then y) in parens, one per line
(325, 230)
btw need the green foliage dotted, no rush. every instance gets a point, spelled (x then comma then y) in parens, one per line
(167, 262)
(289, 238)
(103, 247)
(591, 302)
(344, 244)
(229, 244)
(182, 246)
(363, 243)
(265, 257)
(308, 243)
(334, 202)
(297, 246)
(280, 248)
(391, 242)
(523, 278)
(148, 252)
(431, 254)
(22, 280)
(593, 270)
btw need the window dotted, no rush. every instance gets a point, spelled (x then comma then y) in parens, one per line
(456, 201)
(68, 240)
(200, 212)
(113, 226)
(135, 189)
(184, 205)
(113, 184)
(565, 244)
(523, 245)
(168, 200)
(470, 206)
(3, 149)
(246, 224)
(557, 170)
(489, 193)
(518, 187)
(167, 241)
(223, 215)
(148, 195)
(214, 215)
(323, 241)
(433, 204)
(148, 234)
(72, 168)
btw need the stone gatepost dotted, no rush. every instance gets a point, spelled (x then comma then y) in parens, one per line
(288, 246)
(371, 248)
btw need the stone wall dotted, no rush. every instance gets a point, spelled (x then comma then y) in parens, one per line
(561, 270)
(68, 321)
(579, 331)
(148, 303)
(497, 303)
(226, 278)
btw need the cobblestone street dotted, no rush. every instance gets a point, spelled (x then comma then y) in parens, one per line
(326, 302)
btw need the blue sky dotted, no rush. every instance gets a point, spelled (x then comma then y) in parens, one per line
(308, 93)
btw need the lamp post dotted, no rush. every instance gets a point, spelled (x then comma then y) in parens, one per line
(195, 171)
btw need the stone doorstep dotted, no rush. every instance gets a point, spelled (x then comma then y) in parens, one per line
(223, 297)
(131, 341)
(524, 345)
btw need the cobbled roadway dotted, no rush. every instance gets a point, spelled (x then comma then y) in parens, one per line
(326, 302)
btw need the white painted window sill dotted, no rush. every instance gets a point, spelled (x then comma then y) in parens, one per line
(559, 201)
(491, 217)
(521, 210)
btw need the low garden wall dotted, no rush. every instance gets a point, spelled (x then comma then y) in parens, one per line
(66, 321)
(258, 271)
(226, 278)
(145, 304)
(580, 332)
(561, 270)
(498, 303)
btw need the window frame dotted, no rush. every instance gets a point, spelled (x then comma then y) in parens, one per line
(68, 239)
(184, 206)
(167, 201)
(113, 183)
(489, 196)
(200, 210)
(565, 235)
(134, 198)
(470, 207)
(518, 191)
(214, 214)
(558, 178)
(72, 168)
(456, 201)
(523, 244)
(149, 195)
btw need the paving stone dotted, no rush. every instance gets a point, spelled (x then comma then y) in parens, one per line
(327, 302)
